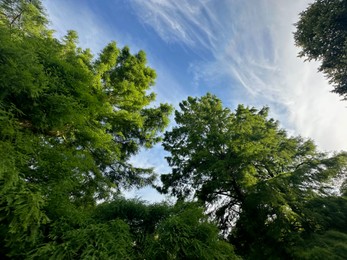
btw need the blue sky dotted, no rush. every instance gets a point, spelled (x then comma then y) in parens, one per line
(241, 51)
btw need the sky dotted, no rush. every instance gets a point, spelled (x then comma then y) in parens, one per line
(241, 51)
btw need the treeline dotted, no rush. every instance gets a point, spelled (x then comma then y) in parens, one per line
(70, 122)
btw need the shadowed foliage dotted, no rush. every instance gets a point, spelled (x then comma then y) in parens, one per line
(321, 33)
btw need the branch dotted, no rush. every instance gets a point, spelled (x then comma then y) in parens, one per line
(300, 164)
(21, 11)
(238, 191)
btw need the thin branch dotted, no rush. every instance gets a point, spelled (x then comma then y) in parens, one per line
(18, 16)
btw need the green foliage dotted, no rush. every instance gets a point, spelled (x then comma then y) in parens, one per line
(186, 234)
(257, 180)
(130, 229)
(69, 124)
(142, 219)
(322, 35)
(216, 153)
(28, 15)
(161, 231)
(329, 245)
(110, 240)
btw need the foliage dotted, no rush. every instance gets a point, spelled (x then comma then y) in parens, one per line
(322, 35)
(253, 178)
(187, 234)
(110, 240)
(69, 125)
(142, 219)
(25, 14)
(329, 245)
(130, 229)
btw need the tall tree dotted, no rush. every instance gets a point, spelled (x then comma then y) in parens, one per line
(322, 35)
(248, 172)
(69, 123)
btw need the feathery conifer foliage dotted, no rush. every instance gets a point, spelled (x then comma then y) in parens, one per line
(322, 35)
(254, 179)
(69, 124)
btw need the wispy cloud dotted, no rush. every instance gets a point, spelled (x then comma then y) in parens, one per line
(188, 22)
(251, 42)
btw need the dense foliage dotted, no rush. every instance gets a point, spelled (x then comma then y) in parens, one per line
(260, 184)
(69, 125)
(70, 122)
(130, 229)
(322, 35)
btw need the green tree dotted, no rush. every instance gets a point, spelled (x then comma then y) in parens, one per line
(187, 234)
(328, 237)
(69, 124)
(90, 240)
(131, 229)
(253, 178)
(25, 14)
(322, 35)
(142, 219)
(161, 231)
(283, 216)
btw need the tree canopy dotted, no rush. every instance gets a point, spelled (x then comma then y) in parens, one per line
(249, 173)
(70, 123)
(322, 35)
(130, 229)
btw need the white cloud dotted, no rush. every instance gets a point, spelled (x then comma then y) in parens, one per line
(252, 43)
(180, 21)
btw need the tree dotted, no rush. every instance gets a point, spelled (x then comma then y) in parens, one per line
(69, 124)
(142, 219)
(322, 35)
(130, 229)
(25, 14)
(330, 232)
(187, 234)
(90, 240)
(181, 231)
(283, 216)
(252, 177)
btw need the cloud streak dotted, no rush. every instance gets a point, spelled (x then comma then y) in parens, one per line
(245, 45)
(187, 22)
(251, 42)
